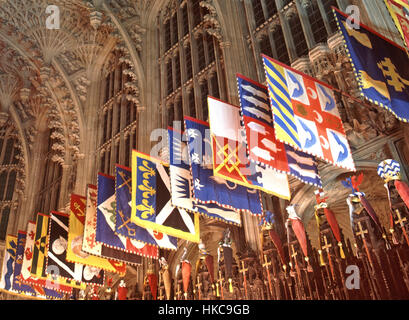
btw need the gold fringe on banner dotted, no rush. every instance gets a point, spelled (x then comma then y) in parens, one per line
(217, 290)
(230, 285)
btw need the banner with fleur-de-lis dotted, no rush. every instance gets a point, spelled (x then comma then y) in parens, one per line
(151, 200)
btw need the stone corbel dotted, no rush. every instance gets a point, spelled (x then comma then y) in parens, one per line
(290, 12)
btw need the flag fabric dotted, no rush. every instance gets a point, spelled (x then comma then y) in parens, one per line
(305, 114)
(90, 245)
(207, 188)
(57, 254)
(181, 184)
(298, 229)
(124, 224)
(40, 246)
(125, 238)
(399, 10)
(75, 239)
(151, 200)
(38, 284)
(18, 285)
(230, 160)
(123, 196)
(127, 254)
(262, 145)
(380, 67)
(7, 272)
(39, 266)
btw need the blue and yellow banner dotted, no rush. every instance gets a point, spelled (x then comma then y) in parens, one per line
(380, 67)
(151, 200)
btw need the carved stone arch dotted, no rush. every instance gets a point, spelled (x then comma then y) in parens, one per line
(58, 72)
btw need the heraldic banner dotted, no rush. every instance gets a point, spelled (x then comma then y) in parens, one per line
(57, 254)
(38, 262)
(207, 188)
(230, 161)
(181, 184)
(151, 200)
(18, 285)
(75, 238)
(126, 252)
(26, 277)
(124, 213)
(262, 145)
(380, 66)
(399, 10)
(7, 271)
(306, 114)
(38, 284)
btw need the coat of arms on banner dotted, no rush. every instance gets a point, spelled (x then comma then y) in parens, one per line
(207, 188)
(306, 114)
(262, 145)
(75, 239)
(181, 184)
(39, 255)
(18, 284)
(57, 254)
(38, 284)
(380, 66)
(230, 160)
(90, 243)
(123, 237)
(123, 196)
(151, 200)
(7, 272)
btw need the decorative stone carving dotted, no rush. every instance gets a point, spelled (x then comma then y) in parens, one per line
(211, 22)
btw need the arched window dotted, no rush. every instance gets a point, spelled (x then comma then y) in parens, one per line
(297, 32)
(258, 12)
(191, 102)
(196, 57)
(10, 185)
(327, 4)
(117, 124)
(8, 151)
(281, 48)
(48, 198)
(316, 22)
(5, 213)
(3, 182)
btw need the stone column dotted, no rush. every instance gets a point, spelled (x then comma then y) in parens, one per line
(65, 179)
(35, 173)
(305, 22)
(286, 32)
(324, 17)
(343, 4)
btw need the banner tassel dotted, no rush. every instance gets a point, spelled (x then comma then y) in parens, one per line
(341, 250)
(322, 262)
